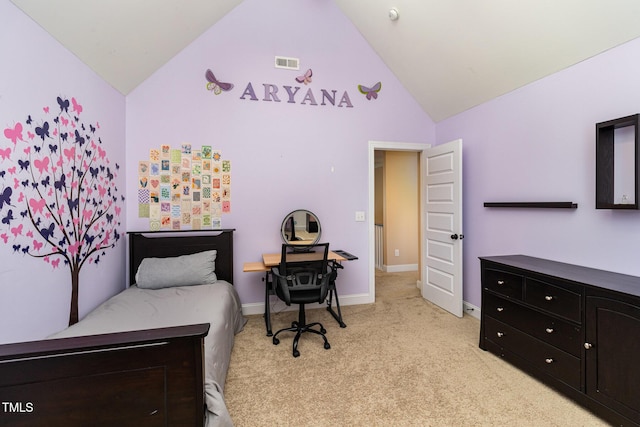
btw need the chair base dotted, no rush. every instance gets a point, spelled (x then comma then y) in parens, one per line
(301, 327)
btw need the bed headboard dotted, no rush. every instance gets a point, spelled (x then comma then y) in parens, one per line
(162, 244)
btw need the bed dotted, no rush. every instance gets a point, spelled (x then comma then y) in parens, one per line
(155, 354)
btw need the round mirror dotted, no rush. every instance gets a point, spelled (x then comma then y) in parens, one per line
(300, 227)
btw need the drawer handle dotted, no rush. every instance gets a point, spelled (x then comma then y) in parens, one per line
(548, 297)
(500, 308)
(500, 282)
(500, 334)
(549, 330)
(548, 361)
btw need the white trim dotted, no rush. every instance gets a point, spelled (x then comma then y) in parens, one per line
(471, 310)
(400, 268)
(258, 307)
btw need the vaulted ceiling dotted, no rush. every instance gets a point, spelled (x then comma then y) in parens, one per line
(450, 55)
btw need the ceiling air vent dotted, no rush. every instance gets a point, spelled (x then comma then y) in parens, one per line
(287, 63)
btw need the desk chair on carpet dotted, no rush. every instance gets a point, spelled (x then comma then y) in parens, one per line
(302, 278)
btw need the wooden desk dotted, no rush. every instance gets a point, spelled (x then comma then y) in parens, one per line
(273, 260)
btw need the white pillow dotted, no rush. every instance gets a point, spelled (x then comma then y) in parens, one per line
(185, 270)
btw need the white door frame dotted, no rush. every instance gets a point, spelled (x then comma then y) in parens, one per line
(389, 146)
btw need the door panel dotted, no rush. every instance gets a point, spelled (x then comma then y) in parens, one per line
(442, 266)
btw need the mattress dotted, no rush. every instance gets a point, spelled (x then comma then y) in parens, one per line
(136, 309)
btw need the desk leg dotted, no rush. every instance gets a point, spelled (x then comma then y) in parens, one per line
(338, 315)
(267, 308)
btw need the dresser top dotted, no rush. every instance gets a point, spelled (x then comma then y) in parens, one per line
(574, 273)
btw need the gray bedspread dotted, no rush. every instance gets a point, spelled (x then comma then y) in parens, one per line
(135, 309)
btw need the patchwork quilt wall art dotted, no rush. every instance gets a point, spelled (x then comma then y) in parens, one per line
(58, 196)
(184, 187)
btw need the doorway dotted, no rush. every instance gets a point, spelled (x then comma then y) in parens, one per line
(378, 147)
(397, 211)
(440, 222)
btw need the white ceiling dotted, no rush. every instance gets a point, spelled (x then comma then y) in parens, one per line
(451, 55)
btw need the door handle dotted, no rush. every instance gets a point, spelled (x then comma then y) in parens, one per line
(454, 237)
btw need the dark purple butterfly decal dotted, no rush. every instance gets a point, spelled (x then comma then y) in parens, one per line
(215, 85)
(305, 78)
(7, 219)
(43, 132)
(370, 92)
(5, 197)
(48, 232)
(64, 104)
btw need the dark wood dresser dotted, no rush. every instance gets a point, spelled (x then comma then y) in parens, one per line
(575, 328)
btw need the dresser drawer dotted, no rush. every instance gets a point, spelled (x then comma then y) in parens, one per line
(543, 357)
(554, 299)
(554, 331)
(504, 283)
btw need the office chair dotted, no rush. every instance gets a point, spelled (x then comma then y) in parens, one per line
(302, 278)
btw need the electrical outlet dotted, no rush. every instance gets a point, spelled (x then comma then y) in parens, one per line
(359, 216)
(397, 252)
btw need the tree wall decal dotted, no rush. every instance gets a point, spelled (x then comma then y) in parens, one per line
(58, 199)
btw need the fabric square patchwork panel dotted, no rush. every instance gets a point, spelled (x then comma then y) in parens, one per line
(184, 187)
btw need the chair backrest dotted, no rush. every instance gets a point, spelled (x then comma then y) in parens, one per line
(302, 276)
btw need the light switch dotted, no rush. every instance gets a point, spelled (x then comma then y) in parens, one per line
(359, 216)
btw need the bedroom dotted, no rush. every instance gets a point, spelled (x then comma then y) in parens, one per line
(288, 156)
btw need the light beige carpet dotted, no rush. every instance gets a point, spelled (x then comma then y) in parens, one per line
(400, 362)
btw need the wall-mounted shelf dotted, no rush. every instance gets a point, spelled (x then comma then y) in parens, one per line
(553, 205)
(618, 163)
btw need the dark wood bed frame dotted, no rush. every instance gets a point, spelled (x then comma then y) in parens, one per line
(153, 377)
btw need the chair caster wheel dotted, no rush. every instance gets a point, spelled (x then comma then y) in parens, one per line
(327, 346)
(296, 353)
(276, 341)
(323, 330)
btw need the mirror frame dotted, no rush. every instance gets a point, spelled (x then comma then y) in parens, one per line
(289, 217)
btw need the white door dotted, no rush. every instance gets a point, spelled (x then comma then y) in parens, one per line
(442, 246)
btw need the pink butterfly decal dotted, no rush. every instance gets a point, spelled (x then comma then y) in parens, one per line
(17, 231)
(4, 154)
(14, 134)
(42, 165)
(76, 107)
(370, 92)
(213, 84)
(305, 78)
(37, 205)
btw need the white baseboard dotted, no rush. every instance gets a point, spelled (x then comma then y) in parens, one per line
(258, 308)
(471, 310)
(400, 268)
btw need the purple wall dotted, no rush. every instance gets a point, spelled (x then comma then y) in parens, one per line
(282, 153)
(36, 70)
(538, 144)
(534, 144)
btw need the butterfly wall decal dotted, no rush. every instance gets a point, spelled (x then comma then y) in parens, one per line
(370, 92)
(64, 104)
(216, 86)
(305, 78)
(76, 107)
(43, 131)
(14, 134)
